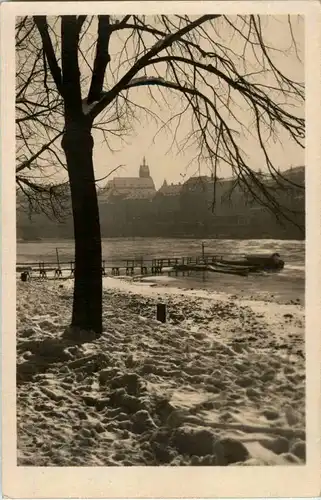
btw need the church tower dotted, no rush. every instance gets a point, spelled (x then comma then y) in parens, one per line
(144, 170)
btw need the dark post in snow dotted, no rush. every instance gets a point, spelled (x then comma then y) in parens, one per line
(161, 313)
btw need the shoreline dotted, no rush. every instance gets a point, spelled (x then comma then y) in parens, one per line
(216, 385)
(162, 286)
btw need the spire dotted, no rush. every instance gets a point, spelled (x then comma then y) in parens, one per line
(144, 169)
(165, 183)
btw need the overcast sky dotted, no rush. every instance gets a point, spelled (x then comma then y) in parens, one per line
(166, 164)
(147, 140)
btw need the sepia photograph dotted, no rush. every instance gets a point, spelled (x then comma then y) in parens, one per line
(160, 224)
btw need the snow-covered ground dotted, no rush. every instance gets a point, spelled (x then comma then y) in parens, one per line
(222, 382)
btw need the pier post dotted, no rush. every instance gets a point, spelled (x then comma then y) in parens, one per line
(161, 313)
(203, 250)
(57, 255)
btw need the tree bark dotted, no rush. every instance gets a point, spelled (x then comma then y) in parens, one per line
(78, 144)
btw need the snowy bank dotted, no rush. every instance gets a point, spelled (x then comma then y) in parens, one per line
(222, 382)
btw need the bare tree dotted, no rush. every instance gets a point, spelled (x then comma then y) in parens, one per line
(38, 119)
(89, 72)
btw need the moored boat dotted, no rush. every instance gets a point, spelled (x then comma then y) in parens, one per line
(257, 262)
(237, 267)
(228, 270)
(212, 268)
(271, 262)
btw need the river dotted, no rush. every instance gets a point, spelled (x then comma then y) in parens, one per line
(287, 285)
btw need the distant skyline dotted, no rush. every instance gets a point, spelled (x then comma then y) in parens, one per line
(157, 174)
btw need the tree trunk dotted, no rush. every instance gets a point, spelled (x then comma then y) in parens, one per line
(78, 144)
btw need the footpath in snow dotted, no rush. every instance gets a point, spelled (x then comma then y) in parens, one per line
(221, 383)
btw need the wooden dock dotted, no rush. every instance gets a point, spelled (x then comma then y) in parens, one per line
(124, 267)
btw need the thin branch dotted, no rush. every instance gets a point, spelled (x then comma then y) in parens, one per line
(27, 163)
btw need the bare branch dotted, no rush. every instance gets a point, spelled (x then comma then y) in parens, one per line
(27, 163)
(48, 49)
(158, 47)
(101, 60)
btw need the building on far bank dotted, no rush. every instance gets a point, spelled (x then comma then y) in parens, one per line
(141, 187)
(131, 206)
(167, 199)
